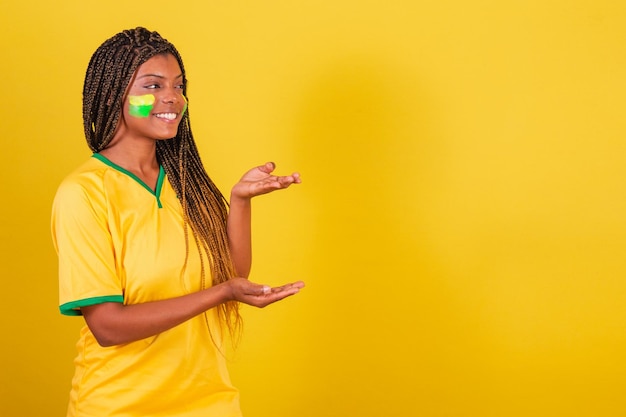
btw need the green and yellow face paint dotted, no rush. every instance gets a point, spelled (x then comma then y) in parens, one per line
(184, 108)
(140, 106)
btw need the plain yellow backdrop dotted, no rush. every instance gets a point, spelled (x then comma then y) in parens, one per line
(461, 226)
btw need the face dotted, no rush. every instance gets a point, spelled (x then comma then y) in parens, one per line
(154, 104)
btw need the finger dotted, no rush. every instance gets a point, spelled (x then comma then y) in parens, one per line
(268, 167)
(277, 294)
(261, 290)
(257, 290)
(287, 180)
(298, 285)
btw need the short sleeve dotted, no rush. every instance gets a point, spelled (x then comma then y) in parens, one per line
(81, 236)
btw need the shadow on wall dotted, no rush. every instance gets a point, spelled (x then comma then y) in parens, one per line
(365, 136)
(369, 148)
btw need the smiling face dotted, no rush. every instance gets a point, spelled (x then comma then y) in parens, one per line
(154, 104)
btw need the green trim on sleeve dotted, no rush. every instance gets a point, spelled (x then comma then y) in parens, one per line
(73, 307)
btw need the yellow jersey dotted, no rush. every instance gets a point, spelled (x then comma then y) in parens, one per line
(119, 240)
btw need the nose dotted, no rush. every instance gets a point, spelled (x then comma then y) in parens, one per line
(171, 96)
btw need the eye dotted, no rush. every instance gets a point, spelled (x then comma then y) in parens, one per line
(152, 86)
(181, 86)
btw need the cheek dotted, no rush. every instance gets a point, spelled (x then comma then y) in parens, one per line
(184, 108)
(140, 106)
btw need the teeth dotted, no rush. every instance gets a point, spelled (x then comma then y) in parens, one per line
(168, 116)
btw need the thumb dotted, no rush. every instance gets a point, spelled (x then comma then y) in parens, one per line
(268, 167)
(262, 290)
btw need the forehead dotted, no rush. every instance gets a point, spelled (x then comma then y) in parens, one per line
(164, 65)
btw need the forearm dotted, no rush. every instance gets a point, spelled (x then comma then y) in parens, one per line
(255, 182)
(240, 235)
(115, 323)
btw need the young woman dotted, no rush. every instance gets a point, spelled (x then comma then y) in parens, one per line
(149, 251)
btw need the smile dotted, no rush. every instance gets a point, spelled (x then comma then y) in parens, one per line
(167, 116)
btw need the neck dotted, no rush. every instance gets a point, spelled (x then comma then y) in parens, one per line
(137, 157)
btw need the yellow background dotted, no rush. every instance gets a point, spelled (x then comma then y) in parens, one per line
(461, 225)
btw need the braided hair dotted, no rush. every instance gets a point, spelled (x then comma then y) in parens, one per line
(109, 73)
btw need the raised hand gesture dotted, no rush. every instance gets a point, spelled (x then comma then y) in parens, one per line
(259, 180)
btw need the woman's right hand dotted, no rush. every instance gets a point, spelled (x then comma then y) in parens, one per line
(257, 295)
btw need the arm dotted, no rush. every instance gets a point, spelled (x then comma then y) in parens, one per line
(115, 323)
(255, 182)
(240, 235)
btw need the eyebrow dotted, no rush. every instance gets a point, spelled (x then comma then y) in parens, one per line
(158, 76)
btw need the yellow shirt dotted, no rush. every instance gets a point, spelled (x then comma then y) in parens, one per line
(120, 241)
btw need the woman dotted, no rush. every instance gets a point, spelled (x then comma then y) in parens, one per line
(148, 252)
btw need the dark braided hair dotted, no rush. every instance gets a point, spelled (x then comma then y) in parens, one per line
(109, 73)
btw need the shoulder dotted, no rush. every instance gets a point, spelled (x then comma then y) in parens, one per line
(90, 172)
(84, 184)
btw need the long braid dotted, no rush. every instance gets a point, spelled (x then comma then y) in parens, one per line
(205, 209)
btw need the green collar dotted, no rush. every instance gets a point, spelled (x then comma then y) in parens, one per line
(159, 185)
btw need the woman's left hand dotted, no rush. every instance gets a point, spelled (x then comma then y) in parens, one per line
(259, 180)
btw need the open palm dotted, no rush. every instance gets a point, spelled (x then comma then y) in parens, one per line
(259, 180)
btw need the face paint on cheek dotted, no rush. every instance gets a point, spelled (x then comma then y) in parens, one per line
(184, 108)
(140, 106)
